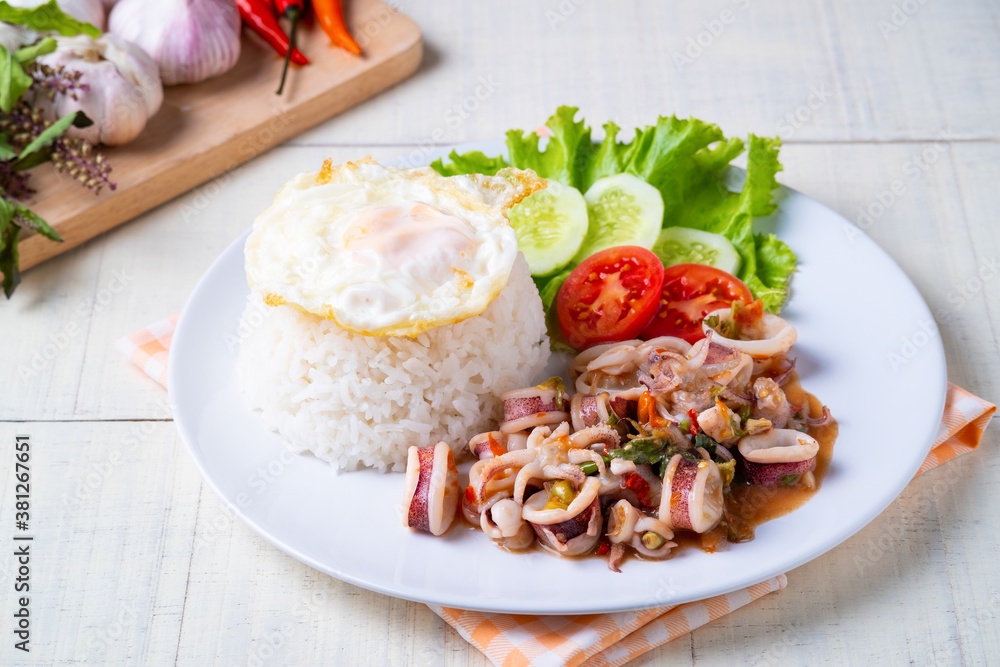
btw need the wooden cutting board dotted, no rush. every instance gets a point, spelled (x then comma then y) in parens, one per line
(206, 129)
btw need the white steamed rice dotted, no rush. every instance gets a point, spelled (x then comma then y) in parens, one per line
(361, 401)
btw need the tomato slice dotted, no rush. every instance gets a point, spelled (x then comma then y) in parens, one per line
(611, 296)
(691, 291)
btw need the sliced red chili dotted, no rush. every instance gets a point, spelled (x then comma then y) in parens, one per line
(694, 427)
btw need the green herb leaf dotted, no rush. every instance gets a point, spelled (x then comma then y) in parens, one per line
(702, 440)
(29, 219)
(81, 120)
(13, 79)
(32, 161)
(788, 480)
(51, 133)
(7, 151)
(47, 17)
(640, 450)
(9, 259)
(744, 414)
(27, 54)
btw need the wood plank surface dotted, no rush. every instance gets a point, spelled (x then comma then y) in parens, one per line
(143, 565)
(208, 128)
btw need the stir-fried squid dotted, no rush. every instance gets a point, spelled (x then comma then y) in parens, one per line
(646, 447)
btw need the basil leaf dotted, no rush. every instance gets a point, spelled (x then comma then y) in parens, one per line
(9, 259)
(27, 54)
(13, 79)
(7, 151)
(47, 17)
(32, 161)
(702, 440)
(640, 450)
(27, 218)
(81, 120)
(51, 133)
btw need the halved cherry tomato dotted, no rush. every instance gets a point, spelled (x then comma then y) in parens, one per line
(691, 291)
(611, 296)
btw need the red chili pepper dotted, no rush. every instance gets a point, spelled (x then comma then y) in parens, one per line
(293, 10)
(647, 411)
(639, 486)
(495, 446)
(259, 15)
(331, 19)
(605, 548)
(694, 427)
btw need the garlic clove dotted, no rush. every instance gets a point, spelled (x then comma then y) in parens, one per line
(124, 87)
(190, 40)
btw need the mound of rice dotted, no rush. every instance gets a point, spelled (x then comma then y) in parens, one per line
(361, 401)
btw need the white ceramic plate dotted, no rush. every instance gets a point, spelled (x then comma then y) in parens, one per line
(868, 347)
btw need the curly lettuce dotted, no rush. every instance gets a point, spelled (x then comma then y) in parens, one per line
(685, 161)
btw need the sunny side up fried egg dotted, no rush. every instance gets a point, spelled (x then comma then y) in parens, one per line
(384, 251)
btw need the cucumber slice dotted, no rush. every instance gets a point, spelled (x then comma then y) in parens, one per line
(550, 225)
(624, 210)
(681, 245)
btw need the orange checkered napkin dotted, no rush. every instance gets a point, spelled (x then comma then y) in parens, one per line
(962, 424)
(602, 639)
(594, 639)
(147, 348)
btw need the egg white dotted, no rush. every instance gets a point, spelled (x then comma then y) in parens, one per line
(384, 251)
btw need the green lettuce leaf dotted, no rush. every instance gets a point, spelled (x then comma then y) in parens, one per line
(775, 265)
(567, 151)
(473, 162)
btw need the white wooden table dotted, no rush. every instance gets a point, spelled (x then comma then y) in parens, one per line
(137, 562)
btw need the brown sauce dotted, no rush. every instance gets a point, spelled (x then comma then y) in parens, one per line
(749, 506)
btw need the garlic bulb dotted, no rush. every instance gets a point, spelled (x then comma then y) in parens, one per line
(124, 87)
(89, 11)
(13, 37)
(190, 40)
